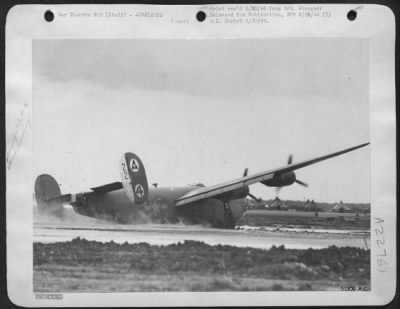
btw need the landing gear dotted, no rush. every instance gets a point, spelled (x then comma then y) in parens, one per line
(229, 220)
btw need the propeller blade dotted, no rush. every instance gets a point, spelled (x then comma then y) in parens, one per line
(253, 197)
(245, 172)
(290, 159)
(277, 190)
(302, 183)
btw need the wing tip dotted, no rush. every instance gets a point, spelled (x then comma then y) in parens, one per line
(363, 145)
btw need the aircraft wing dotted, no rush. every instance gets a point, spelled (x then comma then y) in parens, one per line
(211, 191)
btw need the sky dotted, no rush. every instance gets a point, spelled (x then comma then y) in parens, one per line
(203, 110)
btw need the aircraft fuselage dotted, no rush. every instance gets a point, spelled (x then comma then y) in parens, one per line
(160, 207)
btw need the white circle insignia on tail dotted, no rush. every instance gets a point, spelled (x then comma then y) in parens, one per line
(134, 165)
(139, 190)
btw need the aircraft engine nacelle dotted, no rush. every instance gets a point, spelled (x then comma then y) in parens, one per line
(281, 180)
(134, 180)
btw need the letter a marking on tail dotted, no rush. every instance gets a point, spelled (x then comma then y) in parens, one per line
(139, 190)
(134, 165)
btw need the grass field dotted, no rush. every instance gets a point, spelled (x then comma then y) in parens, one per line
(89, 266)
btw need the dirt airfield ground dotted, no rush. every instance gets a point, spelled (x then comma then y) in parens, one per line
(81, 265)
(89, 266)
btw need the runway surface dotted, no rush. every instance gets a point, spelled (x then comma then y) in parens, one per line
(46, 230)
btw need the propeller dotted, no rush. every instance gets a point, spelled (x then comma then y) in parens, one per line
(246, 171)
(290, 159)
(253, 197)
(302, 183)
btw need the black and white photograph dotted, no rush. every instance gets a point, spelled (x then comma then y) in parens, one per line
(187, 164)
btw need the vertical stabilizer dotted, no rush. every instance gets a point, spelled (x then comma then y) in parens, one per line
(133, 176)
(47, 193)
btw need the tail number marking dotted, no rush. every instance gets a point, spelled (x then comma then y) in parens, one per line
(125, 171)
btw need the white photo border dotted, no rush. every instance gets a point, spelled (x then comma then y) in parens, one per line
(374, 22)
